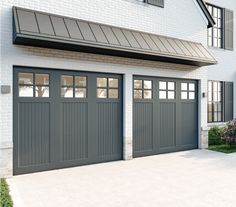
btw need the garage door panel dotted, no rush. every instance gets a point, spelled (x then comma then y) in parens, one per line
(108, 119)
(167, 125)
(167, 119)
(143, 125)
(76, 119)
(34, 133)
(189, 124)
(75, 131)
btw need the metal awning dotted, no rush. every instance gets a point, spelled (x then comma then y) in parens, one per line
(34, 28)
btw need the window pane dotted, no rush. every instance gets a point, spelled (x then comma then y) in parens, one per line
(219, 96)
(219, 13)
(171, 85)
(41, 91)
(184, 95)
(215, 116)
(80, 81)
(209, 86)
(113, 82)
(25, 78)
(215, 32)
(215, 98)
(113, 93)
(219, 33)
(162, 94)
(184, 86)
(210, 96)
(209, 117)
(42, 79)
(162, 85)
(191, 86)
(101, 82)
(147, 84)
(101, 93)
(171, 95)
(219, 42)
(191, 95)
(26, 91)
(210, 41)
(215, 42)
(219, 116)
(215, 107)
(80, 92)
(138, 84)
(209, 107)
(67, 92)
(147, 94)
(215, 86)
(210, 32)
(215, 11)
(66, 80)
(138, 94)
(219, 86)
(219, 107)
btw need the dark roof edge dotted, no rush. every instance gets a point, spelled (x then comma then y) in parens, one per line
(204, 9)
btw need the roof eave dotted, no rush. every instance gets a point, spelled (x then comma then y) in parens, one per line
(204, 9)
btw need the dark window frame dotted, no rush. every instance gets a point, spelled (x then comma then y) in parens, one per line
(108, 88)
(142, 89)
(74, 87)
(220, 29)
(34, 85)
(214, 104)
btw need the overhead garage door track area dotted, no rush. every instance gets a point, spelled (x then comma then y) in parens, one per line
(165, 115)
(65, 118)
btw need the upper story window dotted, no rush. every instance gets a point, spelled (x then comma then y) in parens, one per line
(215, 34)
(221, 35)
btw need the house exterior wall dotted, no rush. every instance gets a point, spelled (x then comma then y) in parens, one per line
(134, 14)
(225, 70)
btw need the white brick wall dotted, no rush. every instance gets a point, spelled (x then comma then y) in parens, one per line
(179, 18)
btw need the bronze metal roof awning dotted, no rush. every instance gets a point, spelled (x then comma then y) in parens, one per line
(34, 28)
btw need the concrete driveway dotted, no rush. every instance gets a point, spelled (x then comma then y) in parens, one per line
(195, 178)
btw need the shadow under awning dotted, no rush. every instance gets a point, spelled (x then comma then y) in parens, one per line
(34, 28)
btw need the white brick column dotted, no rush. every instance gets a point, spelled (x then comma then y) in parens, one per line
(203, 136)
(128, 116)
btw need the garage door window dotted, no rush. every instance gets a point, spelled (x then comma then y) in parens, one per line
(107, 88)
(142, 89)
(188, 91)
(41, 85)
(166, 90)
(33, 85)
(73, 86)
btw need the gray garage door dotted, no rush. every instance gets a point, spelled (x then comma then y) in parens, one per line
(165, 115)
(65, 118)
